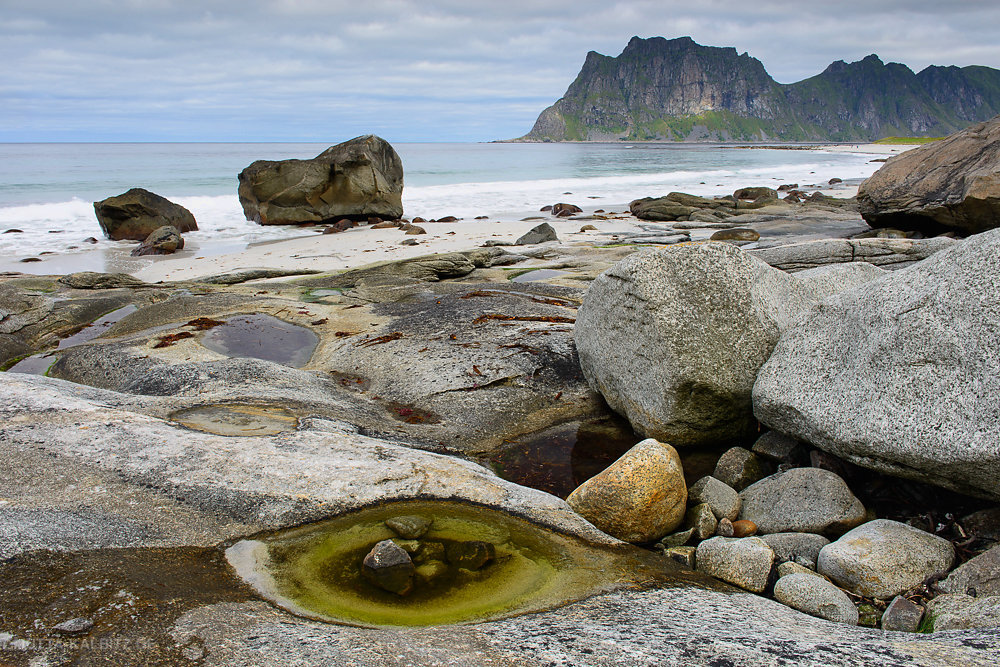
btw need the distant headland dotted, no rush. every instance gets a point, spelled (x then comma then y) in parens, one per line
(677, 90)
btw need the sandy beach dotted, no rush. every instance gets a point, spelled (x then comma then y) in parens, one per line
(311, 250)
(364, 245)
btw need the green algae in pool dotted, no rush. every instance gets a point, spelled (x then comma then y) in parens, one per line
(237, 419)
(315, 570)
(264, 337)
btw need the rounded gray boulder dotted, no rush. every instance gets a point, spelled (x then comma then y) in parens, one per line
(801, 500)
(883, 558)
(815, 596)
(674, 338)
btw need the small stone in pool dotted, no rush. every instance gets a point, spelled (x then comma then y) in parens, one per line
(389, 567)
(471, 555)
(409, 527)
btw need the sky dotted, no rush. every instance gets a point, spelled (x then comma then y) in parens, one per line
(434, 70)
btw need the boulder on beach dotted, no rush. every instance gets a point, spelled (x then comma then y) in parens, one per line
(680, 206)
(948, 185)
(539, 234)
(640, 498)
(900, 374)
(162, 241)
(134, 215)
(357, 179)
(673, 338)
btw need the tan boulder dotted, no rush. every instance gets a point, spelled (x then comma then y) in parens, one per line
(640, 498)
(948, 185)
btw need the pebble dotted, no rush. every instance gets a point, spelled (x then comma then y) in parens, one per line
(722, 498)
(902, 615)
(778, 447)
(725, 528)
(683, 555)
(738, 468)
(745, 562)
(795, 546)
(789, 567)
(74, 626)
(701, 520)
(744, 528)
(817, 597)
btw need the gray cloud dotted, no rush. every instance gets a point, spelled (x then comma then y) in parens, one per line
(441, 70)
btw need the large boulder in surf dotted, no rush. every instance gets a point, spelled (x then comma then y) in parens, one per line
(948, 185)
(900, 374)
(357, 179)
(134, 215)
(673, 338)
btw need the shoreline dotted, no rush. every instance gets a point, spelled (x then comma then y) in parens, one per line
(361, 245)
(304, 248)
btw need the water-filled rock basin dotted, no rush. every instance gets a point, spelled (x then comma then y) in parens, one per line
(262, 336)
(234, 419)
(316, 570)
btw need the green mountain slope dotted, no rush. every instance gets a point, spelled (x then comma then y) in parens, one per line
(659, 89)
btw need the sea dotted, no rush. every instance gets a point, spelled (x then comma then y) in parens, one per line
(47, 190)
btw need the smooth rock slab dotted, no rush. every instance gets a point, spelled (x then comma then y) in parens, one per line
(673, 338)
(813, 595)
(883, 558)
(901, 374)
(676, 626)
(745, 561)
(801, 500)
(639, 498)
(885, 253)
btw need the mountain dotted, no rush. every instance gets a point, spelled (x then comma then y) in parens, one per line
(676, 89)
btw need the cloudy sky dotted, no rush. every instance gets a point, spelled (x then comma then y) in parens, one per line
(434, 70)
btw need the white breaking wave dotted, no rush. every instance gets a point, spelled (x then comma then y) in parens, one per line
(62, 227)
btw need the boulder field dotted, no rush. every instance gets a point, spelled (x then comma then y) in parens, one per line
(190, 421)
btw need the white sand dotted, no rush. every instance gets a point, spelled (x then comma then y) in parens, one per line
(364, 245)
(874, 149)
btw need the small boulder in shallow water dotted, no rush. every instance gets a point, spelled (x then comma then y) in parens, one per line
(639, 498)
(409, 527)
(162, 241)
(136, 214)
(471, 555)
(389, 567)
